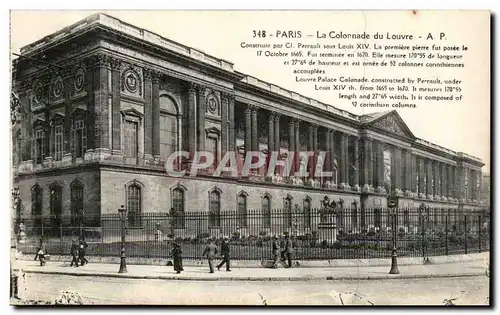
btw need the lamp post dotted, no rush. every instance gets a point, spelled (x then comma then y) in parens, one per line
(394, 257)
(122, 213)
(15, 204)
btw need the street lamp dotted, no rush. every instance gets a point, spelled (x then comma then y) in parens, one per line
(394, 258)
(15, 204)
(122, 213)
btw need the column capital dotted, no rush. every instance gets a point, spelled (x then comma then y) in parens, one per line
(295, 121)
(115, 63)
(100, 60)
(276, 116)
(156, 76)
(192, 87)
(201, 88)
(227, 97)
(312, 127)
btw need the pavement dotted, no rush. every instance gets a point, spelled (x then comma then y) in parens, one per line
(200, 273)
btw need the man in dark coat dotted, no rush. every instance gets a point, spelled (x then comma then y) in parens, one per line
(74, 253)
(224, 248)
(177, 255)
(210, 252)
(81, 252)
(275, 250)
(288, 250)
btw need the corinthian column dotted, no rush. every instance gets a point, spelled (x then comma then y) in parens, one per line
(201, 117)
(355, 148)
(344, 162)
(156, 114)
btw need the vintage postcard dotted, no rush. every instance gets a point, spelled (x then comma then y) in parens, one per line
(250, 158)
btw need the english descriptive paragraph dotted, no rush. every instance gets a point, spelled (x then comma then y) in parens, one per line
(400, 65)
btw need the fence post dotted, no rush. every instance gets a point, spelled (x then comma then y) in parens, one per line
(446, 233)
(465, 233)
(480, 228)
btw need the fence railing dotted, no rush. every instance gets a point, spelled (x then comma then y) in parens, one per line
(316, 235)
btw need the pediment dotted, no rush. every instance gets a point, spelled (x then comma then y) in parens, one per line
(391, 122)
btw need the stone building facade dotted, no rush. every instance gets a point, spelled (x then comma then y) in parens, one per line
(104, 103)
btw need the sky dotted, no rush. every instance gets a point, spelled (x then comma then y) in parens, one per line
(460, 126)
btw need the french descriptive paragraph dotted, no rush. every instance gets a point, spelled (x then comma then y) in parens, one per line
(314, 60)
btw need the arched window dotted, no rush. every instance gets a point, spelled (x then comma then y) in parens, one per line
(242, 209)
(178, 206)
(76, 203)
(214, 208)
(266, 210)
(287, 211)
(169, 130)
(354, 214)
(406, 217)
(307, 212)
(55, 208)
(36, 207)
(134, 199)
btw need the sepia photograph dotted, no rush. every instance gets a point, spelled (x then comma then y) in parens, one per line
(263, 158)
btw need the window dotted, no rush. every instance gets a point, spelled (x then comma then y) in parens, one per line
(39, 149)
(354, 214)
(79, 138)
(76, 203)
(169, 130)
(36, 207)
(307, 212)
(55, 208)
(406, 218)
(213, 146)
(134, 205)
(58, 142)
(266, 211)
(178, 206)
(214, 210)
(287, 207)
(130, 138)
(242, 209)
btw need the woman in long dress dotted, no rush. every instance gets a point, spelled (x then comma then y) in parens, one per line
(177, 254)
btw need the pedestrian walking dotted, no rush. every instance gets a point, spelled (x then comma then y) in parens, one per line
(42, 253)
(39, 247)
(82, 250)
(276, 251)
(225, 255)
(177, 255)
(74, 253)
(288, 250)
(210, 252)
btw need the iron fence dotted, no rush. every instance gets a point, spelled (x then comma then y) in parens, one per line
(316, 235)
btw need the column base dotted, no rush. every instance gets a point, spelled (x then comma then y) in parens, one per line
(366, 188)
(88, 156)
(345, 186)
(101, 154)
(67, 158)
(330, 185)
(381, 190)
(443, 198)
(47, 162)
(398, 192)
(408, 193)
(356, 188)
(429, 197)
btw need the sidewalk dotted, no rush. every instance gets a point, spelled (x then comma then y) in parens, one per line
(457, 269)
